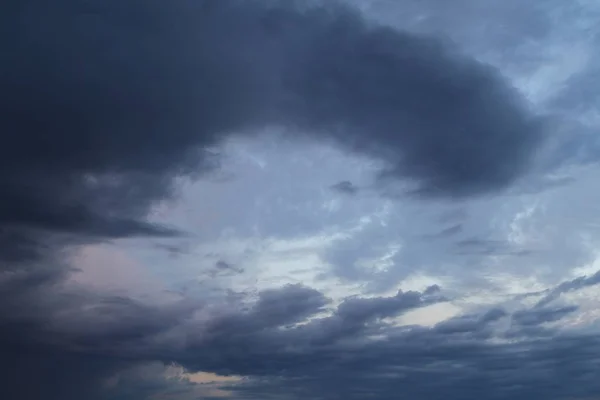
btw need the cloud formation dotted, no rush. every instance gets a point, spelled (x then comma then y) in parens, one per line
(106, 104)
(277, 355)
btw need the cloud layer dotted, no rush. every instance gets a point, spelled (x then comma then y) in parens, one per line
(108, 106)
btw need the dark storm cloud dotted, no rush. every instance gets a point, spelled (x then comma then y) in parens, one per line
(426, 369)
(353, 345)
(103, 102)
(274, 308)
(451, 360)
(39, 372)
(259, 330)
(60, 344)
(97, 337)
(437, 363)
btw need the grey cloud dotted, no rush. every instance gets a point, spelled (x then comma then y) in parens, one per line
(345, 187)
(274, 308)
(356, 317)
(490, 372)
(533, 323)
(37, 362)
(104, 111)
(430, 363)
(361, 309)
(526, 324)
(223, 268)
(39, 372)
(471, 323)
(276, 357)
(290, 304)
(539, 316)
(569, 286)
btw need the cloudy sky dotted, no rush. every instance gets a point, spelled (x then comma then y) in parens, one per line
(312, 199)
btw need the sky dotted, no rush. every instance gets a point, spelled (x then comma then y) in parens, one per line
(317, 199)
